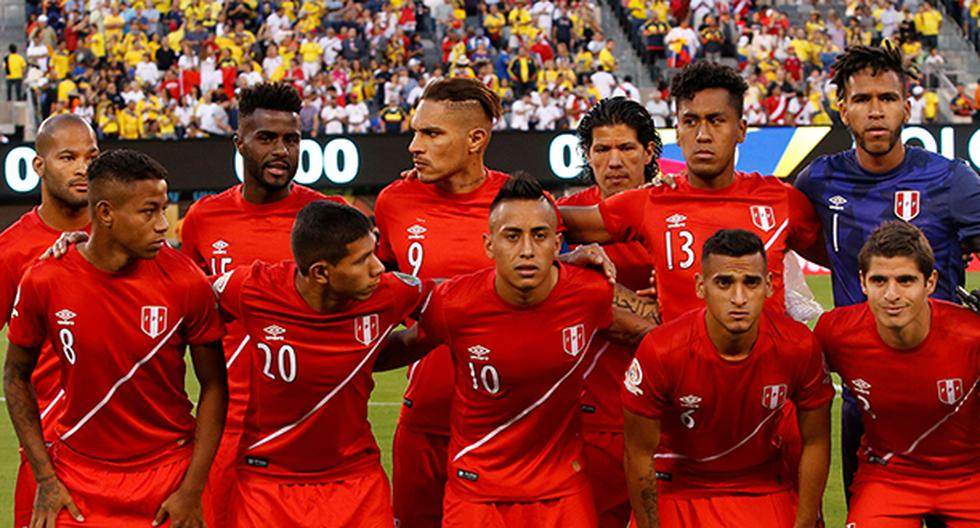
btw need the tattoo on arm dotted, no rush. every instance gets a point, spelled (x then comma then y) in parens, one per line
(648, 494)
(23, 408)
(628, 300)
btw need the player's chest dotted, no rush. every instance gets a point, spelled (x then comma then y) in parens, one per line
(311, 353)
(920, 203)
(440, 243)
(223, 247)
(895, 387)
(712, 394)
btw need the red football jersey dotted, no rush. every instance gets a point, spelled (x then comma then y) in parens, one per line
(307, 414)
(719, 418)
(516, 424)
(20, 246)
(223, 231)
(601, 407)
(920, 407)
(433, 235)
(673, 225)
(120, 339)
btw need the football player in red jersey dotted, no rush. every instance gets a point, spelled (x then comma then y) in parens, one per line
(247, 222)
(622, 147)
(673, 223)
(65, 145)
(916, 380)
(706, 392)
(317, 321)
(431, 224)
(128, 451)
(516, 450)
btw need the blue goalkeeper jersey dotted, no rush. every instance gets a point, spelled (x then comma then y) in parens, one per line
(940, 196)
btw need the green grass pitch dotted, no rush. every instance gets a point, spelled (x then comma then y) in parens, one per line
(384, 413)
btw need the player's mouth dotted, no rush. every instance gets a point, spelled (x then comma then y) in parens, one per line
(739, 315)
(878, 132)
(156, 245)
(704, 155)
(80, 187)
(894, 311)
(419, 164)
(526, 271)
(278, 169)
(617, 180)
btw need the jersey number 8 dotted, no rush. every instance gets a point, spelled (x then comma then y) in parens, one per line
(67, 344)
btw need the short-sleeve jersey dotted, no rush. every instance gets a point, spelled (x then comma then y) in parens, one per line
(516, 424)
(433, 235)
(940, 196)
(20, 246)
(307, 414)
(120, 339)
(673, 224)
(223, 231)
(720, 418)
(920, 406)
(601, 406)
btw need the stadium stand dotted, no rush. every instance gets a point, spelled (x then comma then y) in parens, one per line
(170, 69)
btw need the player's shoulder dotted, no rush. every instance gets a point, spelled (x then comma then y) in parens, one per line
(956, 322)
(23, 240)
(840, 321)
(585, 197)
(788, 333)
(402, 187)
(215, 203)
(578, 280)
(304, 195)
(826, 165)
(465, 288)
(178, 266)
(673, 341)
(922, 160)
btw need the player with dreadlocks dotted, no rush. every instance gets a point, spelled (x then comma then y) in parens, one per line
(879, 180)
(245, 223)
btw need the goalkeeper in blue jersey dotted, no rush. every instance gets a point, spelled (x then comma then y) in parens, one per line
(881, 180)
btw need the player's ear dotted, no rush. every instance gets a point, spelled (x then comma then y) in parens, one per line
(931, 282)
(479, 137)
(488, 245)
(699, 285)
(768, 284)
(908, 110)
(648, 152)
(103, 213)
(864, 288)
(38, 164)
(319, 272)
(742, 129)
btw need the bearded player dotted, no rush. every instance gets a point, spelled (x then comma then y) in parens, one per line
(706, 392)
(431, 223)
(308, 455)
(915, 381)
(128, 451)
(65, 146)
(516, 450)
(622, 148)
(247, 222)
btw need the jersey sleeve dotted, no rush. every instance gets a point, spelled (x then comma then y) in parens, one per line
(8, 290)
(410, 293)
(804, 182)
(189, 242)
(228, 289)
(27, 325)
(646, 391)
(813, 385)
(203, 324)
(965, 201)
(432, 320)
(384, 251)
(623, 214)
(804, 224)
(823, 332)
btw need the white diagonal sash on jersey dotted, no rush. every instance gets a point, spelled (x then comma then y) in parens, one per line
(47, 410)
(595, 361)
(775, 236)
(932, 429)
(132, 372)
(326, 398)
(241, 346)
(489, 436)
(730, 450)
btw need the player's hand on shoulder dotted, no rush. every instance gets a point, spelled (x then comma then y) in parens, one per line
(65, 241)
(49, 500)
(408, 174)
(661, 179)
(183, 508)
(970, 299)
(651, 292)
(591, 256)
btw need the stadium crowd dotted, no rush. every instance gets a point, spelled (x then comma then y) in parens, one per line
(171, 69)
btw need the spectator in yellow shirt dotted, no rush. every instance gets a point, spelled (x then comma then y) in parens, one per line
(130, 122)
(493, 23)
(61, 61)
(114, 23)
(606, 58)
(928, 22)
(14, 67)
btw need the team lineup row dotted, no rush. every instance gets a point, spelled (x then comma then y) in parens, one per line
(723, 419)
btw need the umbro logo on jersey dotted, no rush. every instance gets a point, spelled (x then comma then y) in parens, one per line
(220, 247)
(837, 202)
(634, 376)
(690, 401)
(416, 232)
(366, 329)
(860, 386)
(274, 332)
(907, 205)
(479, 353)
(950, 390)
(676, 220)
(64, 317)
(153, 320)
(763, 217)
(773, 396)
(573, 339)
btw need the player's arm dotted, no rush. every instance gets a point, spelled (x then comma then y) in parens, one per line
(22, 406)
(814, 463)
(642, 436)
(633, 317)
(183, 507)
(584, 224)
(403, 348)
